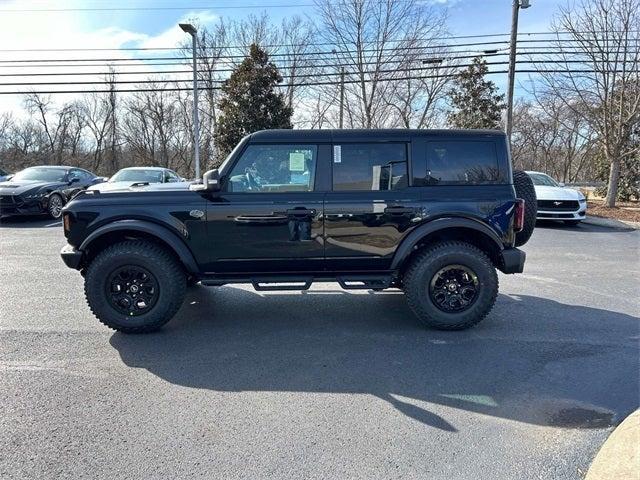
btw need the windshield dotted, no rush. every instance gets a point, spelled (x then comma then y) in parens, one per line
(542, 179)
(151, 176)
(41, 174)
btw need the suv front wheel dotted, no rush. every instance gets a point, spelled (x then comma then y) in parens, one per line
(134, 286)
(451, 285)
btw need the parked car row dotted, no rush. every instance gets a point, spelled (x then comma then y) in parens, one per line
(46, 189)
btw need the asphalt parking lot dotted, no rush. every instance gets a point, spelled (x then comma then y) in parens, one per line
(322, 384)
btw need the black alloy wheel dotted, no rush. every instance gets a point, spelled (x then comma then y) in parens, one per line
(454, 288)
(132, 290)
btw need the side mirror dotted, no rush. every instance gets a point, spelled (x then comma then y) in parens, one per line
(210, 182)
(74, 180)
(561, 184)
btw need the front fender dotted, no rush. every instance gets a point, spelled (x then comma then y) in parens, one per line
(162, 233)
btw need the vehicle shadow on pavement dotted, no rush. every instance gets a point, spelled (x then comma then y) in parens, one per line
(533, 360)
(34, 221)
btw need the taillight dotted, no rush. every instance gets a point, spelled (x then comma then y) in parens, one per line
(518, 218)
(66, 222)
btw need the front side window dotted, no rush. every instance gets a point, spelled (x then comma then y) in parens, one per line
(274, 168)
(460, 162)
(370, 166)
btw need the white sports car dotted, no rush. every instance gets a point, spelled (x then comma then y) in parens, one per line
(556, 202)
(138, 176)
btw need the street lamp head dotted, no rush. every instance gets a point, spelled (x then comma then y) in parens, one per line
(188, 28)
(524, 4)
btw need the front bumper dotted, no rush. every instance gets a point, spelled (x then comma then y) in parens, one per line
(579, 214)
(71, 257)
(512, 260)
(27, 207)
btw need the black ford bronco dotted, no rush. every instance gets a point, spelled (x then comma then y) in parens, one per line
(432, 212)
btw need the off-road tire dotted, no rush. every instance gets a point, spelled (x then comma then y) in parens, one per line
(525, 190)
(159, 262)
(58, 201)
(427, 263)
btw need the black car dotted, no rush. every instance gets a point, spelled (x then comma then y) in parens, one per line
(43, 189)
(434, 213)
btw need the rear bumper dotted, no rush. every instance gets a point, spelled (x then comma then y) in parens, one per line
(512, 260)
(71, 257)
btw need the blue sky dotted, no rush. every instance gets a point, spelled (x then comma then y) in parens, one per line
(114, 29)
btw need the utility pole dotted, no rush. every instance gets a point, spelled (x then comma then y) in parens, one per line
(517, 5)
(191, 30)
(341, 96)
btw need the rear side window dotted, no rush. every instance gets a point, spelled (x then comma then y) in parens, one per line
(370, 166)
(462, 163)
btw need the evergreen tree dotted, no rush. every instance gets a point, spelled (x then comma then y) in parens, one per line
(249, 101)
(474, 99)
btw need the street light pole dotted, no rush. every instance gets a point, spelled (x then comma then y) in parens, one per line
(517, 5)
(191, 30)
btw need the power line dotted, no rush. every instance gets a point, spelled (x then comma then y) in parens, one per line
(129, 9)
(316, 44)
(333, 52)
(285, 85)
(312, 75)
(177, 89)
(303, 65)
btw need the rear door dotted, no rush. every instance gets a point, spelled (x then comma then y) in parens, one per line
(371, 206)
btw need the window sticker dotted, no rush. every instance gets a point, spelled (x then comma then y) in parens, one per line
(337, 154)
(296, 162)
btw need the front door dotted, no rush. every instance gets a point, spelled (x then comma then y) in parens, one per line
(268, 218)
(371, 207)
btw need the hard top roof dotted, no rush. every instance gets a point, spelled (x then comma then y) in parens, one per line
(359, 134)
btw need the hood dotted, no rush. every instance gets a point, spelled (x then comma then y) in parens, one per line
(544, 192)
(18, 188)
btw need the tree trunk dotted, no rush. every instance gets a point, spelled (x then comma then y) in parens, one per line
(614, 177)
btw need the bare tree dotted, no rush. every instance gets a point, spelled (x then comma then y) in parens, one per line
(550, 138)
(41, 107)
(378, 41)
(600, 83)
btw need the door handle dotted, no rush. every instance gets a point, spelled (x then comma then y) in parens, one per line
(301, 212)
(399, 210)
(260, 219)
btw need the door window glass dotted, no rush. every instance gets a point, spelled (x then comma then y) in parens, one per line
(274, 168)
(370, 166)
(462, 162)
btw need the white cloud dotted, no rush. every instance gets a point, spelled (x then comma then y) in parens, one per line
(174, 35)
(68, 29)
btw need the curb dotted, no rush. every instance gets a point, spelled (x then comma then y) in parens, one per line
(619, 457)
(611, 223)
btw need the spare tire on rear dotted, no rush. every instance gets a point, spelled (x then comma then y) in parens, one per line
(525, 190)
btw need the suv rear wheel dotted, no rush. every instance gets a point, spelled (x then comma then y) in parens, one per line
(451, 285)
(134, 286)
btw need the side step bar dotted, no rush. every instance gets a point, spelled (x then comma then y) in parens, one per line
(298, 282)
